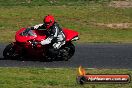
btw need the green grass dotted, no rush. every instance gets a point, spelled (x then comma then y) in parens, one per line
(49, 2)
(80, 17)
(53, 78)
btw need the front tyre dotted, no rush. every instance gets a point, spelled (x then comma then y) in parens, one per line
(9, 52)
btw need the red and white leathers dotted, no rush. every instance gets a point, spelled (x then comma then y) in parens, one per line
(55, 35)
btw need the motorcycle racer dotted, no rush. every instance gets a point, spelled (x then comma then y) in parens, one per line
(56, 35)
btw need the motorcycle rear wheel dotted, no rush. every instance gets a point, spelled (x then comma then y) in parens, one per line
(69, 50)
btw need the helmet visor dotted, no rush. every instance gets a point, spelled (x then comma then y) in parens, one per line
(47, 23)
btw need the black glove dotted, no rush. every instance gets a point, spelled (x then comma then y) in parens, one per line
(32, 28)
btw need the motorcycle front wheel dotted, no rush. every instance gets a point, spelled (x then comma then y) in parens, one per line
(9, 52)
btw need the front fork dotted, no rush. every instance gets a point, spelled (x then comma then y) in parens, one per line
(19, 50)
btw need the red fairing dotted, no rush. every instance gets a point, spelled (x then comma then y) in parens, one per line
(70, 34)
(39, 36)
(20, 38)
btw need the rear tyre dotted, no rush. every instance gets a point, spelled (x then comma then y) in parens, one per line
(9, 52)
(67, 51)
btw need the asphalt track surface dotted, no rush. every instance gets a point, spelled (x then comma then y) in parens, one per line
(89, 56)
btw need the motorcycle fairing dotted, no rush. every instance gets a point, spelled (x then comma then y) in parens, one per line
(70, 34)
(40, 35)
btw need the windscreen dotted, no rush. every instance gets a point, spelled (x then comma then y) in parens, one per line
(28, 32)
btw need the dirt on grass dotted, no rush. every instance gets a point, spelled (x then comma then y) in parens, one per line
(115, 25)
(121, 4)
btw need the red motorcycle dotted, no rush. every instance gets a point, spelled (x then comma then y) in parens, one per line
(27, 44)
